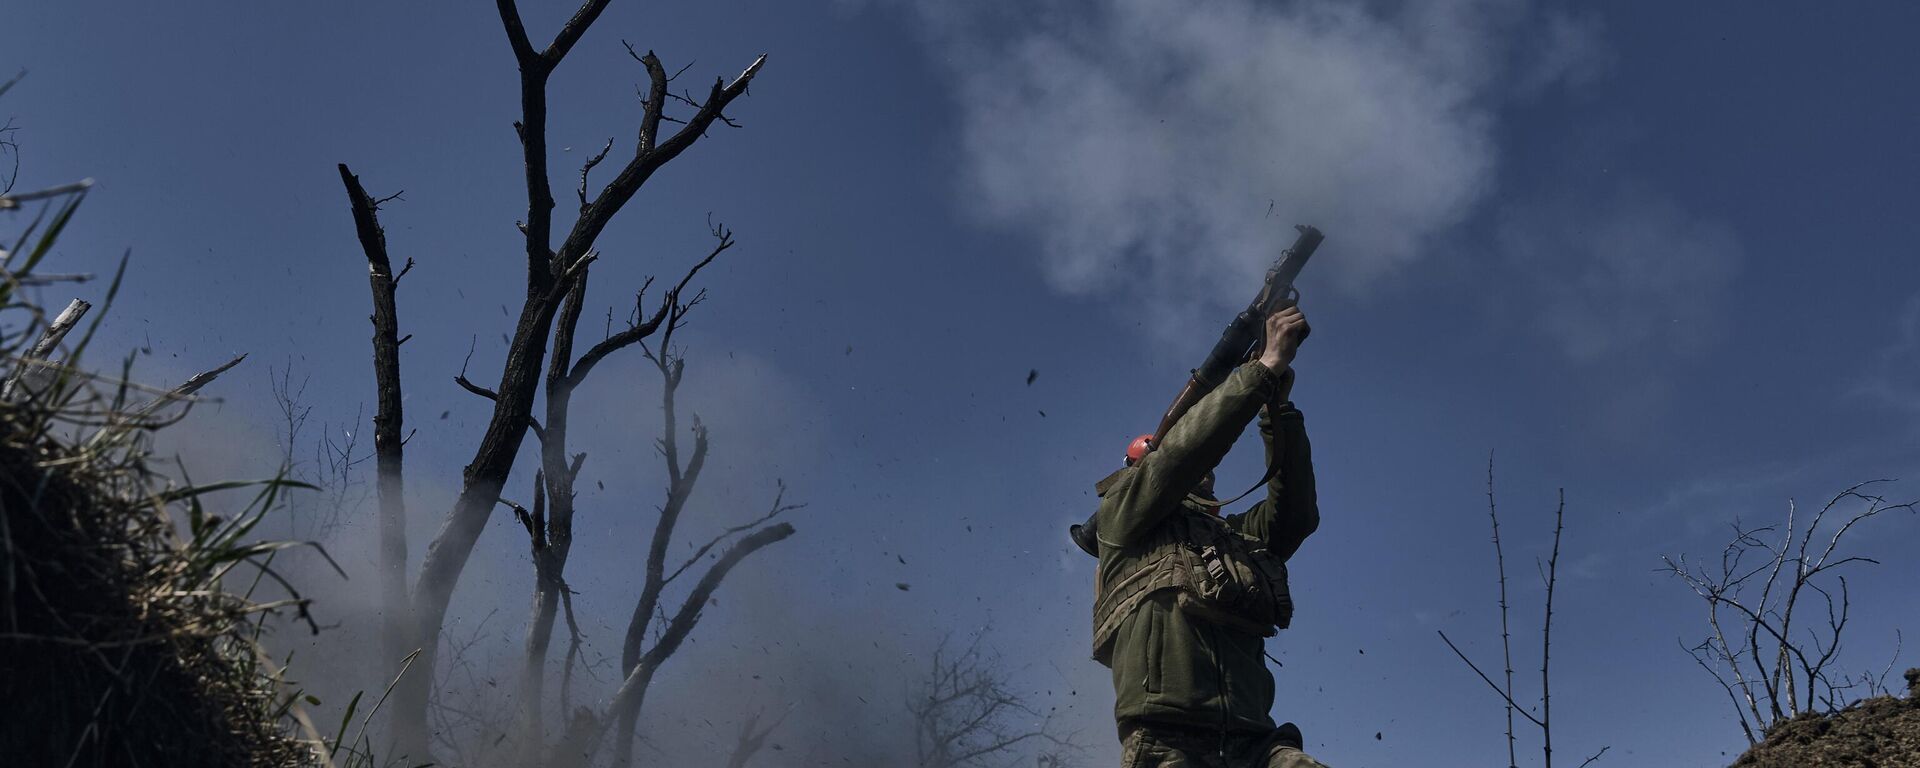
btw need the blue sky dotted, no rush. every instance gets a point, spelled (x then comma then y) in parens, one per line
(1658, 255)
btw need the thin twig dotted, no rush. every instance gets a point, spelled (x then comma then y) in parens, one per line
(1490, 683)
(1506, 646)
(1546, 637)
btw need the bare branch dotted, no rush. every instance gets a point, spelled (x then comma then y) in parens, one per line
(1792, 676)
(521, 514)
(574, 28)
(588, 168)
(628, 700)
(683, 621)
(644, 163)
(1490, 683)
(1506, 646)
(967, 714)
(753, 738)
(461, 379)
(679, 489)
(516, 32)
(1744, 726)
(776, 511)
(1546, 636)
(654, 107)
(670, 307)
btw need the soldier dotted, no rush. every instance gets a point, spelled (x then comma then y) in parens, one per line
(1185, 597)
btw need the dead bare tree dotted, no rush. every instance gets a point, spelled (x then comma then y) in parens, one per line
(967, 713)
(753, 738)
(333, 469)
(388, 419)
(556, 281)
(1549, 576)
(549, 526)
(639, 661)
(1752, 595)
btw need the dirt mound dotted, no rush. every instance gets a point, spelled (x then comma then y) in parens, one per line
(98, 666)
(1881, 732)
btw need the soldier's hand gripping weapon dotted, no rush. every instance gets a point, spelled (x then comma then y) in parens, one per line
(1241, 341)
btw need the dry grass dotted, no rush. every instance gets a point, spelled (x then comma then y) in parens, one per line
(129, 630)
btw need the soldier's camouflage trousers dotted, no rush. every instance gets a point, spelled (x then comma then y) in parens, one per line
(1150, 747)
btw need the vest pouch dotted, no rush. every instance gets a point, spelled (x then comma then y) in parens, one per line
(1220, 580)
(1225, 590)
(1216, 574)
(1276, 599)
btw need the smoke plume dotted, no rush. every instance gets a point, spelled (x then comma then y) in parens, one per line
(1172, 145)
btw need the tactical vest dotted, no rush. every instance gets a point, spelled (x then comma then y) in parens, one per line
(1220, 576)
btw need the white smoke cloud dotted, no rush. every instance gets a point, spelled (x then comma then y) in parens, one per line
(1170, 144)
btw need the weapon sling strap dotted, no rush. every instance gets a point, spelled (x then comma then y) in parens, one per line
(1272, 469)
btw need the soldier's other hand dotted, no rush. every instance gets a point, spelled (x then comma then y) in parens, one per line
(1286, 328)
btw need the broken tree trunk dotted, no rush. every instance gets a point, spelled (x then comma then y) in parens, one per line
(388, 420)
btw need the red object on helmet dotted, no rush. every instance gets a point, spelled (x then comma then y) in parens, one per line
(1138, 449)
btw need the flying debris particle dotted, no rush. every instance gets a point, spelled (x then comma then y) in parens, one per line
(903, 560)
(1376, 735)
(849, 349)
(902, 586)
(601, 483)
(1032, 373)
(445, 414)
(1043, 414)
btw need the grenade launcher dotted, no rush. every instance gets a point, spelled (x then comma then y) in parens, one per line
(1240, 342)
(1245, 336)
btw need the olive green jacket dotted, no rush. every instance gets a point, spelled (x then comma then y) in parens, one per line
(1169, 667)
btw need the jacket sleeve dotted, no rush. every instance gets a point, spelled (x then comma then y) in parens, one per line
(1195, 444)
(1291, 511)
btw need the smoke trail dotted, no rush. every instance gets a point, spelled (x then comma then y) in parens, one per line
(1165, 144)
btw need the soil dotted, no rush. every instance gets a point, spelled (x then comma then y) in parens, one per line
(1882, 732)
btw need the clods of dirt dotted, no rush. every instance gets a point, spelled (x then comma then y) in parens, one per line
(1882, 732)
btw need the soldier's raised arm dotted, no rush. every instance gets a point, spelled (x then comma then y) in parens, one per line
(1201, 438)
(1291, 511)
(1198, 442)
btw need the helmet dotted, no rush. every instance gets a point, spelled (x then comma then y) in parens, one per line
(1138, 449)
